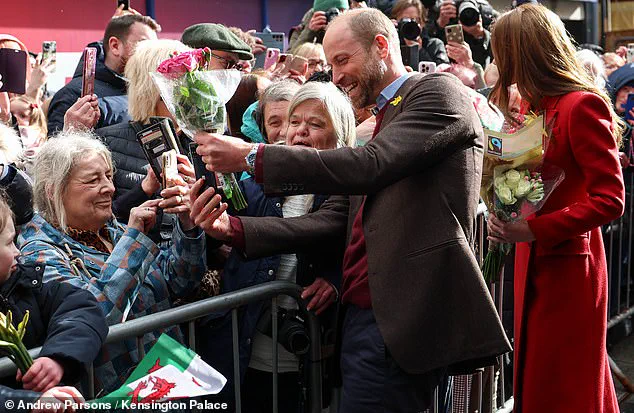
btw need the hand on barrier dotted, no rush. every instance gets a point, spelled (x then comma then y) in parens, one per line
(323, 293)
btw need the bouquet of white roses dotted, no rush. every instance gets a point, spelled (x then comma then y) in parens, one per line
(515, 179)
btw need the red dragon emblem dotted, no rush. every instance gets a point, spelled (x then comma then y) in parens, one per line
(160, 388)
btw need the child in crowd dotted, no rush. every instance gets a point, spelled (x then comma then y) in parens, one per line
(64, 320)
(30, 119)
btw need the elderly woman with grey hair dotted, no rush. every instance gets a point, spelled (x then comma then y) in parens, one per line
(76, 239)
(321, 117)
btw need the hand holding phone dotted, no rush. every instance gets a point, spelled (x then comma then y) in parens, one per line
(201, 169)
(90, 64)
(630, 53)
(126, 4)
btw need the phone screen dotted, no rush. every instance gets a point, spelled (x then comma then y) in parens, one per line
(629, 105)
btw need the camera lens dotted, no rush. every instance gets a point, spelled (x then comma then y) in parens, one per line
(293, 336)
(409, 29)
(469, 13)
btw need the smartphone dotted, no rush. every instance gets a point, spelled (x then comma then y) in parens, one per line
(155, 140)
(426, 68)
(88, 79)
(629, 105)
(169, 166)
(284, 57)
(200, 168)
(13, 71)
(271, 40)
(630, 53)
(126, 4)
(299, 64)
(49, 50)
(272, 54)
(453, 33)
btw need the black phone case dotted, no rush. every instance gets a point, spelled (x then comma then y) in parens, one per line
(13, 71)
(154, 140)
(126, 4)
(201, 170)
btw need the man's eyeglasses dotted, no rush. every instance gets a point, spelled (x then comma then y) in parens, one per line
(229, 64)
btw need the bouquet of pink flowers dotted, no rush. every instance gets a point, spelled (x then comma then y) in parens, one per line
(197, 96)
(516, 182)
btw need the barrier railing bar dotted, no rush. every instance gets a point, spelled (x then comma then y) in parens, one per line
(275, 352)
(501, 358)
(236, 359)
(620, 272)
(192, 311)
(609, 254)
(140, 347)
(191, 335)
(629, 242)
(435, 401)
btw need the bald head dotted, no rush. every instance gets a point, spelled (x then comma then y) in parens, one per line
(365, 24)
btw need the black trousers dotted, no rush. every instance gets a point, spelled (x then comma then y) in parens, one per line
(372, 381)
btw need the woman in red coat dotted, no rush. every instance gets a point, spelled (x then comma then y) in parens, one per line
(561, 293)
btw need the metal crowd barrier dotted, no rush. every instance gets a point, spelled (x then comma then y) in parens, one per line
(232, 301)
(617, 237)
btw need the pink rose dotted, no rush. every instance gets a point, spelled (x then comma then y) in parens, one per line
(178, 65)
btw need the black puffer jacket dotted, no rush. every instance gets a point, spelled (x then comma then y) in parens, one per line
(110, 88)
(64, 320)
(19, 189)
(127, 155)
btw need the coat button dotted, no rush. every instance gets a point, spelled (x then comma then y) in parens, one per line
(34, 282)
(271, 272)
(248, 341)
(37, 268)
(278, 205)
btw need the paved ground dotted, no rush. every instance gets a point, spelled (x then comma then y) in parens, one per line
(623, 354)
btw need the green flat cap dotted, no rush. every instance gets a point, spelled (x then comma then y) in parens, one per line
(323, 5)
(215, 37)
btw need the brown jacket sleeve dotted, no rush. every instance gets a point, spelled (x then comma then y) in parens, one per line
(265, 236)
(433, 123)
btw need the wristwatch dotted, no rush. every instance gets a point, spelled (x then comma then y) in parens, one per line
(250, 159)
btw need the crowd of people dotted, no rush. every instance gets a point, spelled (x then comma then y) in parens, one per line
(362, 178)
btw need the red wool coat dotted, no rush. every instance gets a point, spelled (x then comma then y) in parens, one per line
(561, 289)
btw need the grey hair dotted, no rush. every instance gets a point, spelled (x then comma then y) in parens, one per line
(337, 106)
(593, 65)
(53, 167)
(282, 91)
(367, 23)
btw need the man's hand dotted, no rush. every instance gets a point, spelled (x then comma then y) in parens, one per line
(44, 374)
(143, 217)
(448, 11)
(84, 114)
(259, 47)
(460, 53)
(209, 213)
(222, 153)
(318, 21)
(53, 400)
(510, 232)
(323, 294)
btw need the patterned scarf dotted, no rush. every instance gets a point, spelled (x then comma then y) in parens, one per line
(91, 238)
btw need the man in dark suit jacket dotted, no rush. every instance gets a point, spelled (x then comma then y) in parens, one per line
(416, 302)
